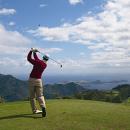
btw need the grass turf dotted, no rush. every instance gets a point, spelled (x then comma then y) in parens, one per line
(66, 115)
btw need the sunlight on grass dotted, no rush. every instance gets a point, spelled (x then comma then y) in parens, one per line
(66, 115)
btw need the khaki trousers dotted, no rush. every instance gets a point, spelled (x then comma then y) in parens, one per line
(36, 91)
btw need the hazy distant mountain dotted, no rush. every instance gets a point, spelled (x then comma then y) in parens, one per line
(95, 81)
(101, 85)
(60, 90)
(12, 89)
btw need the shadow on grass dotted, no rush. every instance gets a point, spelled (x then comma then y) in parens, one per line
(34, 116)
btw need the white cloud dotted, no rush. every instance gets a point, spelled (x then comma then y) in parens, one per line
(11, 23)
(14, 48)
(5, 11)
(50, 50)
(52, 34)
(12, 38)
(106, 34)
(74, 2)
(85, 66)
(42, 5)
(82, 53)
(14, 66)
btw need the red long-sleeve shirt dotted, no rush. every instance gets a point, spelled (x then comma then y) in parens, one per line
(38, 66)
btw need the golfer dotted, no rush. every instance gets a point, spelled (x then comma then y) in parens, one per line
(35, 82)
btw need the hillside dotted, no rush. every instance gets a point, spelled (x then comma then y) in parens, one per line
(66, 115)
(60, 90)
(124, 90)
(12, 89)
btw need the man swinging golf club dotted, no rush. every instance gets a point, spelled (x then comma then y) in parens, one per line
(35, 82)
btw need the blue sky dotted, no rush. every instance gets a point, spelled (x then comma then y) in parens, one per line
(86, 36)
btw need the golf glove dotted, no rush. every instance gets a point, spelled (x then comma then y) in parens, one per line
(34, 50)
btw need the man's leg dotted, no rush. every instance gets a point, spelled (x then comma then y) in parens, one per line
(32, 98)
(40, 97)
(41, 100)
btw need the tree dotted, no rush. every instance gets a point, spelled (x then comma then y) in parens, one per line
(1, 99)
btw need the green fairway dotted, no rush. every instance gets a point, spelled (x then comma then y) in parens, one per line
(66, 115)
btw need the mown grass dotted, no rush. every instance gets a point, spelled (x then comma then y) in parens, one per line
(66, 115)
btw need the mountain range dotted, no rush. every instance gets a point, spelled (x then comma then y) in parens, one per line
(101, 85)
(12, 89)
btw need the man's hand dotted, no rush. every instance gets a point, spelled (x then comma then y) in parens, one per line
(34, 50)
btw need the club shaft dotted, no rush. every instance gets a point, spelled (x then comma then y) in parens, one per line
(50, 58)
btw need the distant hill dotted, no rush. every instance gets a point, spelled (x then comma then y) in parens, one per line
(12, 89)
(118, 94)
(124, 90)
(60, 90)
(101, 85)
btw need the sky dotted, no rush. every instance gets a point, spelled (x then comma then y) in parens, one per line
(86, 36)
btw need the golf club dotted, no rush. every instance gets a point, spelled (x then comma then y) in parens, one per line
(51, 59)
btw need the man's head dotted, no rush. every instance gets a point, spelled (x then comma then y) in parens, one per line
(45, 58)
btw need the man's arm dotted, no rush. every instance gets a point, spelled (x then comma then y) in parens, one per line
(35, 56)
(29, 58)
